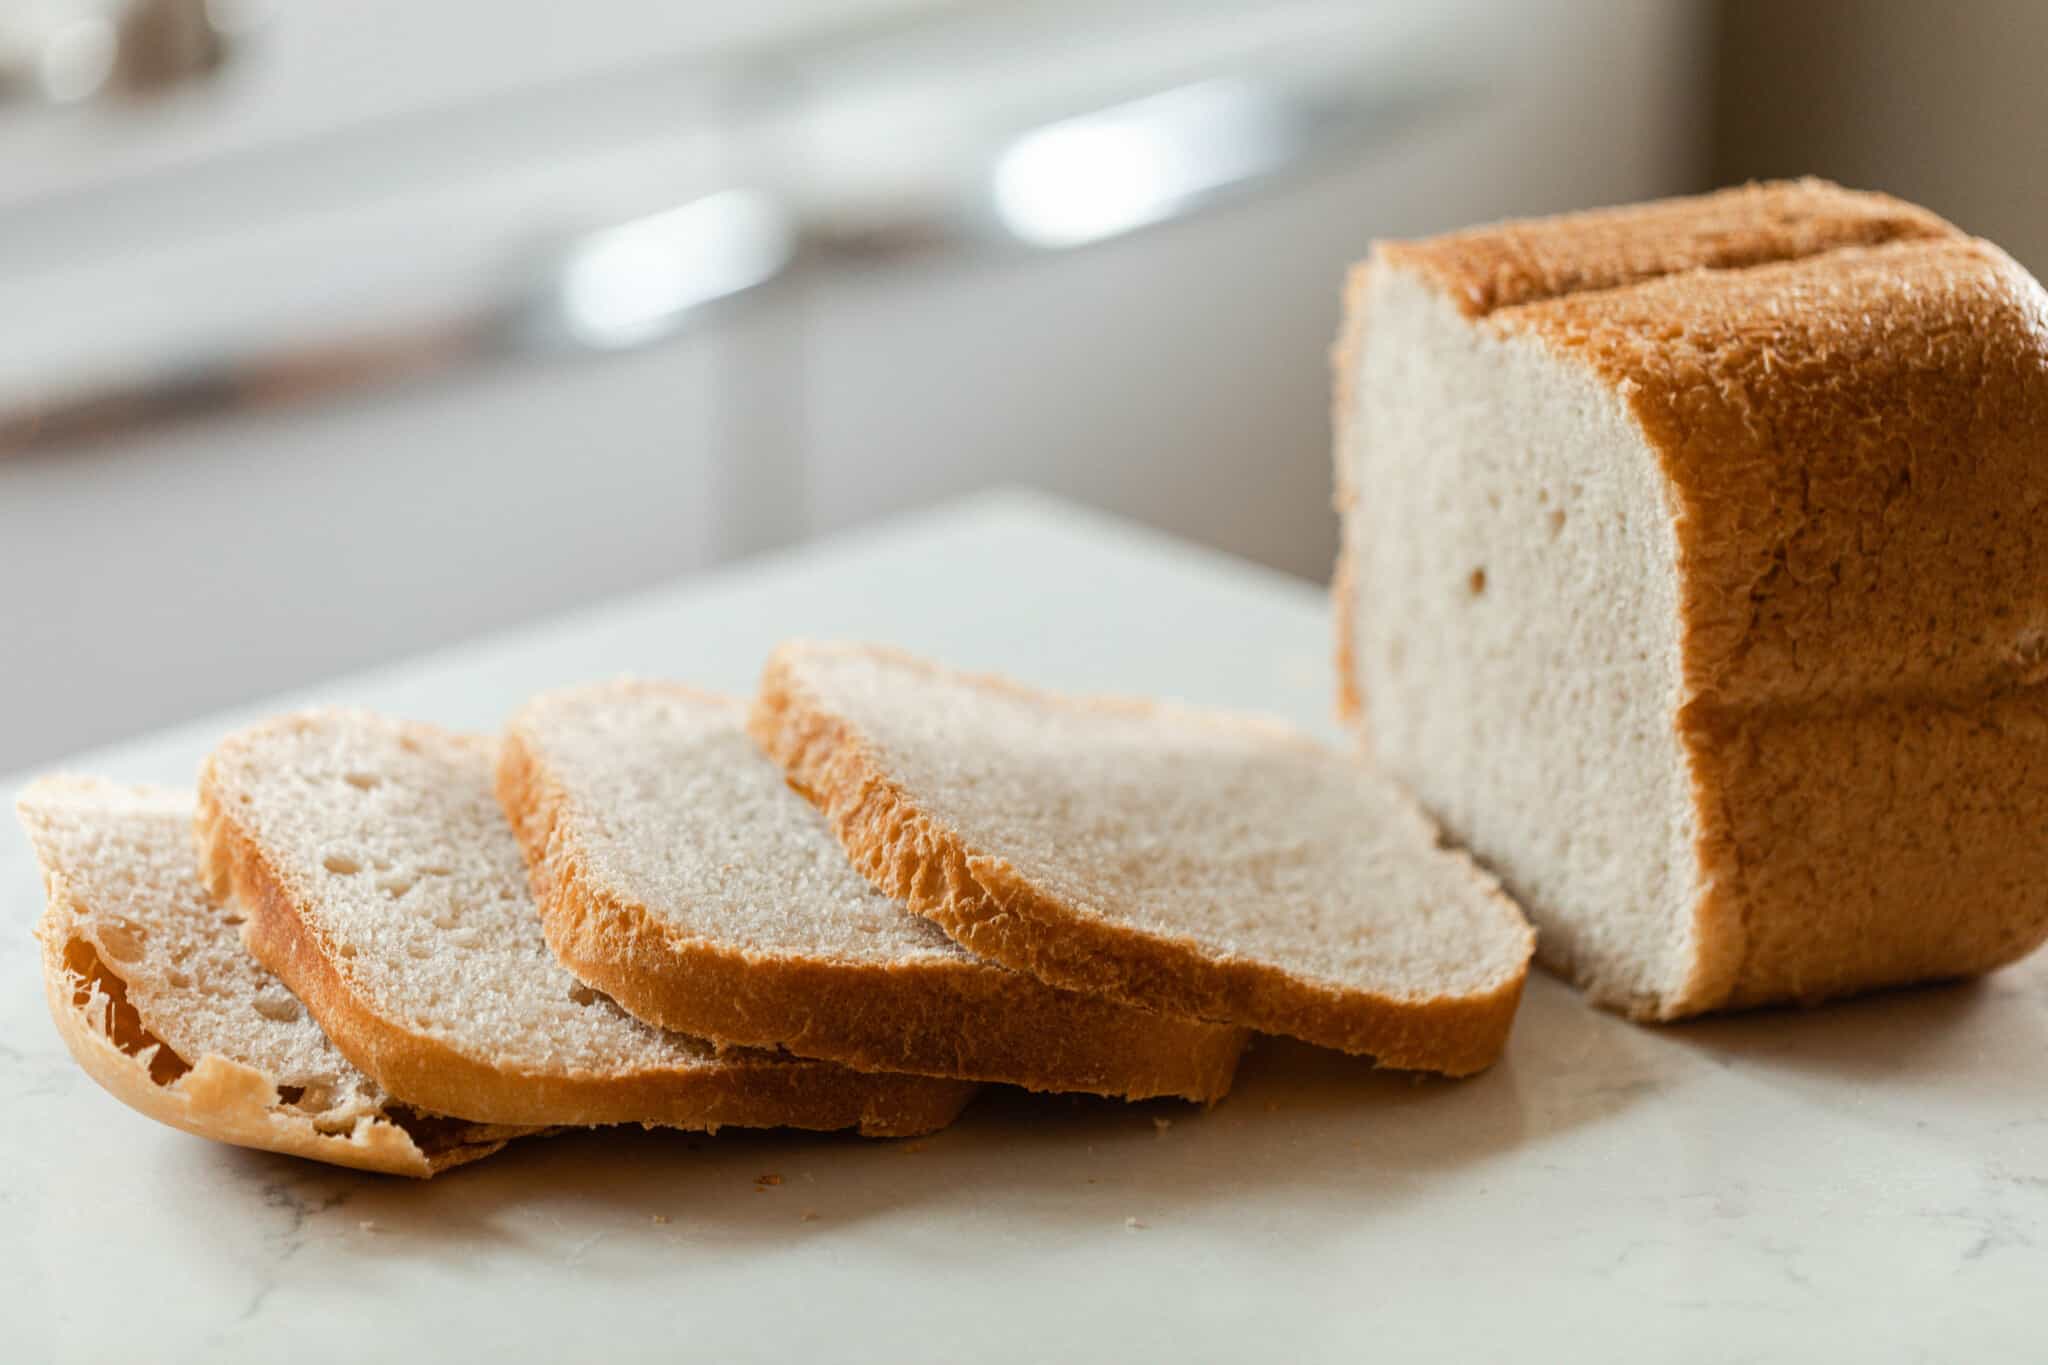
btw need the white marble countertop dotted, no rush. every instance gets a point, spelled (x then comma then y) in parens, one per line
(1868, 1182)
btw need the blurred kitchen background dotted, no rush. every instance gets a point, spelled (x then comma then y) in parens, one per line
(338, 330)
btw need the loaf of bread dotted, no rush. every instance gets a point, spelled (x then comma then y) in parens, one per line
(1695, 575)
(158, 1001)
(383, 886)
(677, 872)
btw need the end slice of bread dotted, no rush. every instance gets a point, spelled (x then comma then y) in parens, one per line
(382, 884)
(1200, 863)
(677, 872)
(159, 1002)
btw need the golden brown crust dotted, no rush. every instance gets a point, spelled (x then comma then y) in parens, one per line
(988, 907)
(1896, 842)
(214, 1097)
(1504, 265)
(1344, 606)
(1344, 575)
(1343, 366)
(944, 1017)
(1850, 427)
(1851, 446)
(763, 1092)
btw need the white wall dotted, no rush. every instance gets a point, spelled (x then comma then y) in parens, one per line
(1943, 104)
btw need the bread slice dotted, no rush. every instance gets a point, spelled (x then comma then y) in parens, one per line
(1694, 578)
(1204, 864)
(677, 872)
(160, 1003)
(383, 885)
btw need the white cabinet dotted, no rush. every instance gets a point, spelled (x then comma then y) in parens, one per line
(1176, 374)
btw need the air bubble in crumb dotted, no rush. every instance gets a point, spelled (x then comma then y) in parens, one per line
(341, 864)
(362, 782)
(121, 940)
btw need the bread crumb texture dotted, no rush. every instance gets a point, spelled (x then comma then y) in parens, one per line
(160, 1003)
(676, 869)
(1200, 863)
(384, 885)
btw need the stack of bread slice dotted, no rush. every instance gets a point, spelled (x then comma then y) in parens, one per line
(846, 904)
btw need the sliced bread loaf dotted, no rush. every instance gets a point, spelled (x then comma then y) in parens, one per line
(160, 1003)
(1205, 864)
(383, 885)
(1695, 577)
(678, 872)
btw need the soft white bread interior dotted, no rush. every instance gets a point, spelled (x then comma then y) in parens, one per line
(1499, 664)
(1694, 578)
(677, 871)
(1206, 864)
(160, 1003)
(383, 885)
